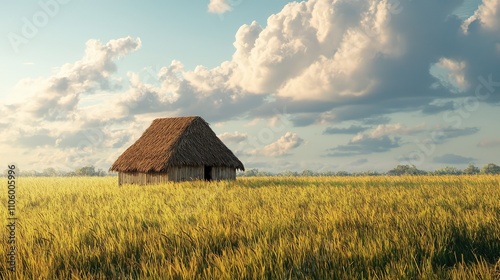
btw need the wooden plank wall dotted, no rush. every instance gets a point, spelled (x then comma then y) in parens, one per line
(142, 178)
(176, 174)
(223, 173)
(185, 173)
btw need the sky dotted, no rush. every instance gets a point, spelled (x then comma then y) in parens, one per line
(325, 85)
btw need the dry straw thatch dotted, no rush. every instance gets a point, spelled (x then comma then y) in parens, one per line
(168, 142)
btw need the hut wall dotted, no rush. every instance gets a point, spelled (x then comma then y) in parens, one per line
(185, 173)
(223, 173)
(142, 178)
(174, 174)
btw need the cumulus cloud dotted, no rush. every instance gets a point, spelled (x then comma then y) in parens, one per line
(332, 61)
(387, 83)
(341, 73)
(235, 137)
(454, 77)
(282, 147)
(453, 159)
(219, 6)
(188, 93)
(488, 14)
(58, 95)
(54, 125)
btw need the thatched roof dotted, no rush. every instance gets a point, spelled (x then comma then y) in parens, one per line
(185, 141)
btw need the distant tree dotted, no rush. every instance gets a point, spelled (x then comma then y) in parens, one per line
(37, 174)
(447, 170)
(368, 173)
(101, 173)
(289, 173)
(28, 173)
(406, 170)
(255, 173)
(307, 172)
(342, 173)
(50, 172)
(326, 173)
(250, 173)
(471, 170)
(86, 171)
(490, 168)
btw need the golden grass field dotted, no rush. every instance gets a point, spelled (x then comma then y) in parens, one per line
(422, 227)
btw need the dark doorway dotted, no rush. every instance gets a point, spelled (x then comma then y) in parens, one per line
(208, 173)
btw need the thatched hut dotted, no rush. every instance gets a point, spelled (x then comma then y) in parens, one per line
(176, 149)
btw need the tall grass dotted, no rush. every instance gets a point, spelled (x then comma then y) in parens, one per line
(258, 228)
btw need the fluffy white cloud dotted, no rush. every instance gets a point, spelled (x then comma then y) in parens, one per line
(199, 92)
(488, 14)
(235, 137)
(331, 61)
(454, 74)
(315, 50)
(281, 147)
(53, 123)
(57, 96)
(219, 6)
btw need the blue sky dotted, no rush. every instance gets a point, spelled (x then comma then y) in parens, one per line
(321, 85)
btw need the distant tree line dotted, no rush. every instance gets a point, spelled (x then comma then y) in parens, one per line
(52, 172)
(489, 168)
(399, 170)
